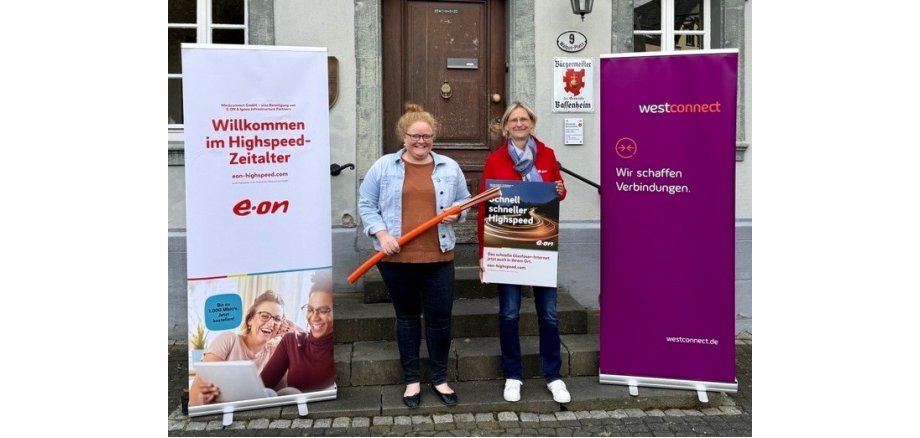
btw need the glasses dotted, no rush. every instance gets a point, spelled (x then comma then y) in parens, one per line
(520, 120)
(417, 137)
(325, 310)
(265, 316)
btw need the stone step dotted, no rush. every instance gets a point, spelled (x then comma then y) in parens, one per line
(357, 321)
(486, 397)
(466, 285)
(471, 359)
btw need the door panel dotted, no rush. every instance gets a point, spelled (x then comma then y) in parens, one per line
(430, 44)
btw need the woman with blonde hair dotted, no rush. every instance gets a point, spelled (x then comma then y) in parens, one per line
(263, 322)
(401, 191)
(523, 157)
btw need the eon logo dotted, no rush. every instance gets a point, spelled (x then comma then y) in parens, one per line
(542, 243)
(244, 207)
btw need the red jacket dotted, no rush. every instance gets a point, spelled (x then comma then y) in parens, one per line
(499, 165)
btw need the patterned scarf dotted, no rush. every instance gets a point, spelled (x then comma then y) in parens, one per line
(523, 163)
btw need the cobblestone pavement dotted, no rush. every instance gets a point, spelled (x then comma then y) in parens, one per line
(733, 418)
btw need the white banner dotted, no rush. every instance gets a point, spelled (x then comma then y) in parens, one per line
(256, 159)
(258, 208)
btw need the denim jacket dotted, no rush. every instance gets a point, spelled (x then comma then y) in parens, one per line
(380, 203)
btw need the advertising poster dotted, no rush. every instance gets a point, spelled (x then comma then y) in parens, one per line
(521, 234)
(573, 85)
(258, 227)
(667, 219)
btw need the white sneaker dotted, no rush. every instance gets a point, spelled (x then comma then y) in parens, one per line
(513, 390)
(560, 394)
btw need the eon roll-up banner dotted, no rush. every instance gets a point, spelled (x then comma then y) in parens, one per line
(257, 190)
(667, 219)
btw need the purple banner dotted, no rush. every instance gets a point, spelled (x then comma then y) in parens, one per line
(667, 218)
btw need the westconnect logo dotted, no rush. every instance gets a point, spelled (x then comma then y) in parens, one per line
(671, 108)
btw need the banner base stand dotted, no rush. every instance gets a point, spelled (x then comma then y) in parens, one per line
(227, 409)
(633, 382)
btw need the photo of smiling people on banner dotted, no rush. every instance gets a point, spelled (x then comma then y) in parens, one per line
(246, 322)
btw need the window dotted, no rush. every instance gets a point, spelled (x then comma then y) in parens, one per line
(205, 22)
(665, 25)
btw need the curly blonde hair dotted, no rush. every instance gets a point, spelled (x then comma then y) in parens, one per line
(415, 113)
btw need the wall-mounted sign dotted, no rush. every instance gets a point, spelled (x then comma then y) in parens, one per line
(574, 130)
(572, 41)
(573, 85)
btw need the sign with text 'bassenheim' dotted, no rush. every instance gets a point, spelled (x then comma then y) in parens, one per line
(667, 219)
(258, 209)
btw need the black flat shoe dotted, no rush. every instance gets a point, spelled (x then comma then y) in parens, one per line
(448, 399)
(413, 401)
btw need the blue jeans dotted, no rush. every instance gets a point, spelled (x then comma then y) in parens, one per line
(509, 298)
(416, 288)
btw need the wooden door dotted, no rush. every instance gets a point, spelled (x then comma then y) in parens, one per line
(432, 46)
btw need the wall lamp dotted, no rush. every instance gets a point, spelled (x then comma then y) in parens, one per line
(582, 7)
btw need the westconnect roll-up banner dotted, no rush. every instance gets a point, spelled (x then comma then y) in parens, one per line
(667, 219)
(258, 225)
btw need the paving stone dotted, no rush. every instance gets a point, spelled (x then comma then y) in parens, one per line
(383, 421)
(730, 410)
(484, 417)
(704, 430)
(341, 422)
(421, 419)
(280, 424)
(634, 412)
(638, 428)
(655, 413)
(442, 418)
(675, 413)
(259, 423)
(464, 418)
(712, 411)
(177, 415)
(215, 425)
(617, 413)
(597, 414)
(177, 425)
(196, 425)
(237, 425)
(322, 423)
(507, 416)
(402, 420)
(360, 422)
(565, 415)
(528, 417)
(581, 415)
(692, 412)
(302, 423)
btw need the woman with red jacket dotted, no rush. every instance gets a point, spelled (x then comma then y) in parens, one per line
(523, 157)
